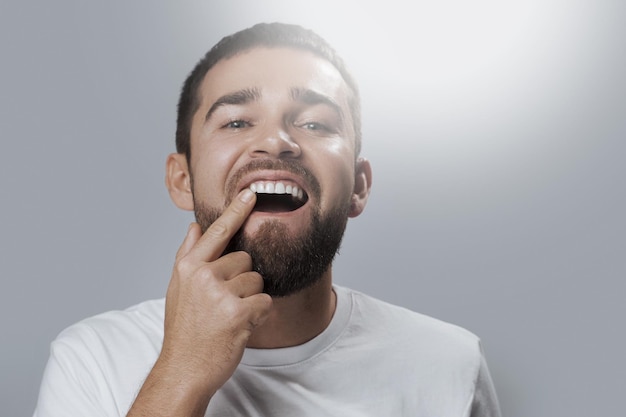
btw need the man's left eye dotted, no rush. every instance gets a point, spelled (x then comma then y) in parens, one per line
(313, 126)
(236, 124)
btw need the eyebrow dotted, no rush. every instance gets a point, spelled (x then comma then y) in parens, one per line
(235, 98)
(310, 97)
(247, 95)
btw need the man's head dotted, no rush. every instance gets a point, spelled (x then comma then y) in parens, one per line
(271, 35)
(278, 118)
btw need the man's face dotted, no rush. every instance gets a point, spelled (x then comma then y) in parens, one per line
(277, 121)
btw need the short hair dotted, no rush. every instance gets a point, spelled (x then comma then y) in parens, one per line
(260, 35)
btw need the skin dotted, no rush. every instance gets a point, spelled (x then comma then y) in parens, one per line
(214, 305)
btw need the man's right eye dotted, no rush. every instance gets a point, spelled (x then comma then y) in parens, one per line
(236, 124)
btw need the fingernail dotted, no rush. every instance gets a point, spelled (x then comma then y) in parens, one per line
(246, 195)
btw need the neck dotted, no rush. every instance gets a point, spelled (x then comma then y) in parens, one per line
(297, 318)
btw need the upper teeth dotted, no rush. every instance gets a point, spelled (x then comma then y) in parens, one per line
(276, 187)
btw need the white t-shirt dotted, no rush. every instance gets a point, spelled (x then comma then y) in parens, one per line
(374, 359)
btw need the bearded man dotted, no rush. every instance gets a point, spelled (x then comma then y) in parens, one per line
(268, 158)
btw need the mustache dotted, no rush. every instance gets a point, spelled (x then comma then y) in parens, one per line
(288, 165)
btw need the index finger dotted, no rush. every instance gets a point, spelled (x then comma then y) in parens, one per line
(213, 242)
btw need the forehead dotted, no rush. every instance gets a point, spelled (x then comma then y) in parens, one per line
(273, 71)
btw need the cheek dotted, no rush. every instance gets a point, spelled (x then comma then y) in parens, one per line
(336, 173)
(339, 148)
(211, 166)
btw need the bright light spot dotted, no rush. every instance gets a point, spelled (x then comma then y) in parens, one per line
(468, 83)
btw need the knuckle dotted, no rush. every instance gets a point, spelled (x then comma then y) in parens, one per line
(243, 256)
(267, 301)
(256, 279)
(261, 309)
(237, 207)
(231, 309)
(184, 266)
(189, 270)
(241, 253)
(207, 273)
(240, 258)
(218, 229)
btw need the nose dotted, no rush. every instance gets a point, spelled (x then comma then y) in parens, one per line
(275, 143)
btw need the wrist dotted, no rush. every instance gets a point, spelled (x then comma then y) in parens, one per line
(188, 377)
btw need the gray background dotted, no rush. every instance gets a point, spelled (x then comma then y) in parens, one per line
(495, 129)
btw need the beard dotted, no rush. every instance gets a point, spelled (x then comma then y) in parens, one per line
(288, 262)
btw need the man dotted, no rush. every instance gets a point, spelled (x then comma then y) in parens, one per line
(268, 143)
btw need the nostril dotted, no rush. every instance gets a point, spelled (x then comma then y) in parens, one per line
(279, 145)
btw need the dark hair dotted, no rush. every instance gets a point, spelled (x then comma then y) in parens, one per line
(262, 34)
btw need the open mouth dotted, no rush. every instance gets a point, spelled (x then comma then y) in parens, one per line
(278, 196)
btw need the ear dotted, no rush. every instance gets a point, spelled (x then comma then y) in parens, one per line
(362, 186)
(178, 181)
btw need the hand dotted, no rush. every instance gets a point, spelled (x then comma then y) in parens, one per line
(213, 303)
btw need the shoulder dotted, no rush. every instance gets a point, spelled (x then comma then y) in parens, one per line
(438, 364)
(139, 326)
(145, 316)
(426, 336)
(96, 365)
